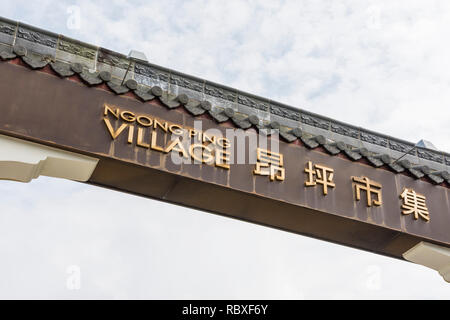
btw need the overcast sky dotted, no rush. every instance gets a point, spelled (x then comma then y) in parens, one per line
(381, 65)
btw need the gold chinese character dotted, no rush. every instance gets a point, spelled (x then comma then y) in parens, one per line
(269, 164)
(371, 187)
(414, 203)
(319, 175)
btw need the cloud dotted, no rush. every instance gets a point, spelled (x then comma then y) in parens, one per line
(130, 247)
(380, 65)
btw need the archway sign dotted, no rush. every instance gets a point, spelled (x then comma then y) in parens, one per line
(79, 112)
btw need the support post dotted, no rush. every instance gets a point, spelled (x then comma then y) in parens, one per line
(23, 161)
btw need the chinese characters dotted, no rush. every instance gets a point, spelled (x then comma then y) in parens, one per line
(414, 203)
(319, 175)
(371, 188)
(271, 164)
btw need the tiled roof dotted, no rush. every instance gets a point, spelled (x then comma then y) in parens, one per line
(96, 66)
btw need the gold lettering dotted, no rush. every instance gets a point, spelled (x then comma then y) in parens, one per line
(372, 188)
(154, 146)
(269, 164)
(114, 134)
(319, 175)
(208, 149)
(211, 139)
(156, 123)
(128, 116)
(176, 145)
(176, 129)
(415, 203)
(206, 157)
(194, 133)
(130, 134)
(222, 159)
(224, 143)
(140, 139)
(108, 109)
(142, 123)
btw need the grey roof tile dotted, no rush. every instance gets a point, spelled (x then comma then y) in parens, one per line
(267, 128)
(91, 79)
(196, 107)
(241, 121)
(264, 130)
(156, 91)
(355, 156)
(362, 151)
(311, 142)
(7, 55)
(144, 95)
(254, 119)
(182, 98)
(77, 67)
(445, 175)
(396, 167)
(416, 172)
(169, 100)
(220, 115)
(340, 145)
(331, 148)
(286, 134)
(62, 69)
(405, 163)
(131, 84)
(206, 105)
(117, 87)
(437, 179)
(424, 169)
(35, 61)
(105, 76)
(20, 50)
(376, 162)
(229, 112)
(321, 139)
(289, 134)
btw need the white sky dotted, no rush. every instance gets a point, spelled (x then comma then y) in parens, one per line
(382, 65)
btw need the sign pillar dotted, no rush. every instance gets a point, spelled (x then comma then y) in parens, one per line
(431, 256)
(23, 161)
